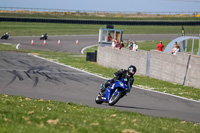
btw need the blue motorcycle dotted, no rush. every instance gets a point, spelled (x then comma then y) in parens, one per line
(113, 92)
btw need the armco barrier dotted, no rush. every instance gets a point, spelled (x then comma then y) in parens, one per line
(181, 68)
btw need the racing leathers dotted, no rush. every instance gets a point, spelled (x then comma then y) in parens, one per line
(129, 79)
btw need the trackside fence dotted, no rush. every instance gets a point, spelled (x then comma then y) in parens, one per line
(181, 68)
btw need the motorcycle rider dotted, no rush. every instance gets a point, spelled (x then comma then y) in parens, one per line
(44, 37)
(5, 36)
(126, 74)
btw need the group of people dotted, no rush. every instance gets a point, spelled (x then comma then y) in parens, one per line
(175, 49)
(116, 44)
(132, 46)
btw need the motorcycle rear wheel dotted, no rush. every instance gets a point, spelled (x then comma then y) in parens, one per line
(115, 98)
(98, 99)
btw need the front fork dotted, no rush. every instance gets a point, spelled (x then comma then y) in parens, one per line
(101, 87)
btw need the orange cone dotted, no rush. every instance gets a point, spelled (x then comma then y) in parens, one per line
(76, 42)
(58, 42)
(31, 42)
(44, 42)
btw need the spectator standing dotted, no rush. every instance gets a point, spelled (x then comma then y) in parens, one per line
(109, 38)
(121, 45)
(113, 43)
(130, 45)
(135, 46)
(160, 46)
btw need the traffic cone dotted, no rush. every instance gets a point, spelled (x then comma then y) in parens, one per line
(44, 42)
(76, 42)
(58, 42)
(31, 42)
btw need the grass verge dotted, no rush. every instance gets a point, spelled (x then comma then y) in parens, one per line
(37, 29)
(20, 114)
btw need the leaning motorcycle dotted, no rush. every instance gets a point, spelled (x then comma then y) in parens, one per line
(113, 92)
(44, 37)
(5, 36)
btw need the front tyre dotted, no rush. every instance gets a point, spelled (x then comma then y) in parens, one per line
(98, 99)
(115, 98)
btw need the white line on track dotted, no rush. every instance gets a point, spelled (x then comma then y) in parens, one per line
(88, 47)
(168, 94)
(70, 67)
(17, 47)
(7, 43)
(107, 79)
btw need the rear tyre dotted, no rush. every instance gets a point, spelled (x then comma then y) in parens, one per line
(98, 99)
(115, 98)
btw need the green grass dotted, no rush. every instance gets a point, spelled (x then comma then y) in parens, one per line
(22, 115)
(37, 29)
(149, 45)
(196, 46)
(91, 49)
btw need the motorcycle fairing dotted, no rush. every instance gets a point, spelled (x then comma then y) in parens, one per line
(113, 87)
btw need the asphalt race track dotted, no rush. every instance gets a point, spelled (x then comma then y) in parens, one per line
(68, 42)
(25, 75)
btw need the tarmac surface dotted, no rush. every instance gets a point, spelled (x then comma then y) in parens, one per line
(25, 75)
(68, 42)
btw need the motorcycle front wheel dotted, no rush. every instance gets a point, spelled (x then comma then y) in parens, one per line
(98, 99)
(115, 98)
